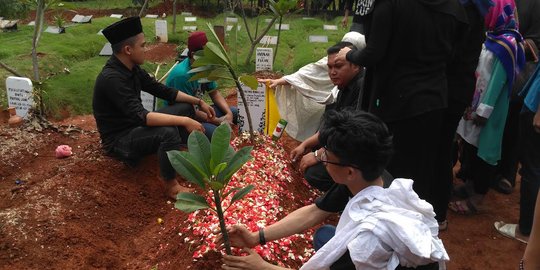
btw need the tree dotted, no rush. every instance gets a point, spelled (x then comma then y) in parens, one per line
(174, 16)
(281, 8)
(143, 8)
(41, 6)
(210, 165)
(213, 63)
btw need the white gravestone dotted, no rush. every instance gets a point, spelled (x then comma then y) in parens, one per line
(264, 59)
(53, 30)
(100, 32)
(256, 100)
(161, 30)
(19, 94)
(308, 18)
(190, 19)
(272, 40)
(267, 20)
(189, 28)
(231, 20)
(147, 101)
(283, 26)
(329, 27)
(32, 23)
(82, 19)
(106, 50)
(186, 14)
(118, 16)
(230, 27)
(151, 16)
(318, 39)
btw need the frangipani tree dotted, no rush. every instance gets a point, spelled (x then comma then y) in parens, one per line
(281, 8)
(210, 165)
(213, 63)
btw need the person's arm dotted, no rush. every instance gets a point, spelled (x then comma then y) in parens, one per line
(250, 262)
(531, 260)
(221, 103)
(273, 83)
(493, 90)
(379, 38)
(304, 146)
(163, 119)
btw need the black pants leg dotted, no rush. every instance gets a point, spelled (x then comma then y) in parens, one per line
(416, 146)
(530, 171)
(478, 170)
(508, 164)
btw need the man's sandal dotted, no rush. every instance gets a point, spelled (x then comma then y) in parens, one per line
(464, 207)
(508, 230)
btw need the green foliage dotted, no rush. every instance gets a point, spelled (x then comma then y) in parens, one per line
(188, 202)
(14, 9)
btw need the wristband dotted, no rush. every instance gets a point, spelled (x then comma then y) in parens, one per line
(262, 240)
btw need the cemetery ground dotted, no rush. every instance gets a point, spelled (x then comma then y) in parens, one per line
(90, 211)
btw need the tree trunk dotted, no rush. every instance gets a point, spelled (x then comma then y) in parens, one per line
(40, 10)
(246, 107)
(277, 42)
(174, 16)
(222, 225)
(257, 39)
(143, 8)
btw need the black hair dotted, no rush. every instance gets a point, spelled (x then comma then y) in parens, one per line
(357, 138)
(338, 46)
(117, 48)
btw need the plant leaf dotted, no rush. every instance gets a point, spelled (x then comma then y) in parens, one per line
(220, 167)
(212, 51)
(200, 75)
(241, 193)
(218, 41)
(189, 202)
(229, 192)
(199, 148)
(200, 69)
(249, 81)
(184, 168)
(219, 73)
(236, 162)
(216, 185)
(221, 139)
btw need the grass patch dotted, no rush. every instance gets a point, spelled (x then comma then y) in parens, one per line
(78, 50)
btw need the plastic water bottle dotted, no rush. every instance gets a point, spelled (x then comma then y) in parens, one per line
(282, 123)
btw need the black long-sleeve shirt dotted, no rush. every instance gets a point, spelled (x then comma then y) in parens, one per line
(117, 101)
(408, 47)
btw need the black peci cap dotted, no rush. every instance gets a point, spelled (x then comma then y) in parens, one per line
(122, 30)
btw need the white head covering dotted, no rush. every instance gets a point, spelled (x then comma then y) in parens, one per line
(357, 39)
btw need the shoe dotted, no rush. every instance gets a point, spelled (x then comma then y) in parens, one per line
(508, 230)
(503, 186)
(464, 207)
(443, 225)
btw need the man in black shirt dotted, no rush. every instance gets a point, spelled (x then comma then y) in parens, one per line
(127, 130)
(349, 78)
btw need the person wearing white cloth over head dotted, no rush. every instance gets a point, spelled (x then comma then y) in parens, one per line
(380, 228)
(313, 89)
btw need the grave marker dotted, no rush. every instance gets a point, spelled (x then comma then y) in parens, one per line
(32, 23)
(230, 27)
(267, 20)
(308, 18)
(82, 19)
(272, 40)
(231, 20)
(256, 100)
(190, 19)
(100, 32)
(264, 59)
(55, 30)
(318, 39)
(329, 27)
(220, 32)
(189, 28)
(7, 25)
(151, 16)
(118, 16)
(161, 30)
(283, 26)
(19, 94)
(186, 14)
(106, 50)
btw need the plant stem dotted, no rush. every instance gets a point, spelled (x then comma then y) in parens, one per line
(244, 100)
(278, 34)
(222, 226)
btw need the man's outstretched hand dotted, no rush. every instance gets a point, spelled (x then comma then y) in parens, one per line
(239, 236)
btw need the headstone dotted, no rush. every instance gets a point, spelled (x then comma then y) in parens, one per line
(272, 40)
(32, 23)
(100, 32)
(329, 27)
(185, 53)
(151, 16)
(161, 30)
(231, 20)
(264, 59)
(106, 50)
(267, 20)
(54, 30)
(7, 25)
(190, 19)
(256, 100)
(82, 19)
(308, 18)
(19, 94)
(318, 39)
(186, 14)
(220, 32)
(283, 26)
(189, 28)
(148, 101)
(230, 27)
(118, 16)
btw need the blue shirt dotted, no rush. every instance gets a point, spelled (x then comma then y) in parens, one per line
(531, 91)
(179, 79)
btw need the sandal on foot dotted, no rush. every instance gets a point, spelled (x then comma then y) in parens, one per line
(443, 225)
(503, 186)
(465, 207)
(508, 230)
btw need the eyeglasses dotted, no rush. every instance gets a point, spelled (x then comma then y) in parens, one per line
(323, 158)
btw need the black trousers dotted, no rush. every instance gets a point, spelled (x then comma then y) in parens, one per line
(529, 157)
(144, 141)
(475, 169)
(508, 165)
(416, 149)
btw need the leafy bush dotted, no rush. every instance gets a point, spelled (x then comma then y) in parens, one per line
(13, 9)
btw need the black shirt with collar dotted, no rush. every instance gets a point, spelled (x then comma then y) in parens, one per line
(117, 101)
